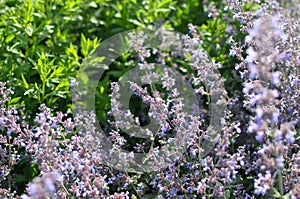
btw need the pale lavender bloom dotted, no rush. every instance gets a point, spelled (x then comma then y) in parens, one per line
(49, 184)
(279, 162)
(263, 183)
(260, 136)
(33, 189)
(276, 77)
(167, 81)
(278, 135)
(290, 137)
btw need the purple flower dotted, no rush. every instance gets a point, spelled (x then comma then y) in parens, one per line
(260, 136)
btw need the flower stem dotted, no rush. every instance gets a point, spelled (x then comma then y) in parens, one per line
(280, 183)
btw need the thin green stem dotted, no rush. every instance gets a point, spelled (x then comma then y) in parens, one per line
(43, 90)
(279, 178)
(9, 164)
(280, 183)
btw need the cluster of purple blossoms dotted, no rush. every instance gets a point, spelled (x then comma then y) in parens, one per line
(222, 158)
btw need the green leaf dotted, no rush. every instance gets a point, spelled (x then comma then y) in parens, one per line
(72, 51)
(50, 28)
(164, 3)
(227, 194)
(9, 38)
(61, 94)
(12, 48)
(29, 31)
(35, 170)
(115, 73)
(275, 193)
(162, 10)
(286, 196)
(29, 91)
(62, 85)
(55, 80)
(98, 60)
(20, 178)
(93, 4)
(102, 89)
(83, 45)
(136, 22)
(24, 81)
(15, 100)
(36, 86)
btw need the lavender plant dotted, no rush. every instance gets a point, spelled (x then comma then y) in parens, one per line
(245, 145)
